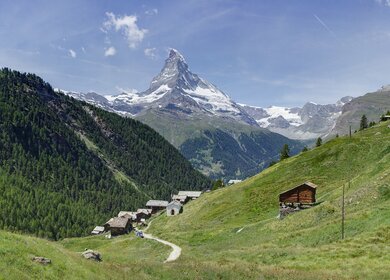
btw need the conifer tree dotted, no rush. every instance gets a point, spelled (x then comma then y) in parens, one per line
(319, 142)
(363, 122)
(285, 152)
(218, 184)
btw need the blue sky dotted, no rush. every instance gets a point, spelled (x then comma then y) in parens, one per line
(259, 52)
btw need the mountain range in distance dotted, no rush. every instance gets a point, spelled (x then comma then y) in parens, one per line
(309, 122)
(220, 137)
(217, 135)
(177, 88)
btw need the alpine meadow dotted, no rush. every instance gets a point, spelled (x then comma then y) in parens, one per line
(198, 139)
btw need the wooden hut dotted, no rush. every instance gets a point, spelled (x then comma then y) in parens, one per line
(181, 198)
(143, 213)
(385, 118)
(190, 194)
(118, 225)
(174, 208)
(301, 194)
(232, 182)
(97, 230)
(156, 205)
(128, 214)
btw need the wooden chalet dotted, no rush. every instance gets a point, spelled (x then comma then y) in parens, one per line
(97, 230)
(180, 198)
(232, 182)
(301, 194)
(156, 205)
(174, 208)
(190, 194)
(118, 225)
(143, 213)
(385, 117)
(128, 214)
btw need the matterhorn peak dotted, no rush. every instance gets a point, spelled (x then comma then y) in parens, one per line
(175, 66)
(178, 91)
(176, 55)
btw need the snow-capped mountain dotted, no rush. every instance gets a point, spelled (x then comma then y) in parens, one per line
(178, 93)
(309, 122)
(177, 90)
(211, 130)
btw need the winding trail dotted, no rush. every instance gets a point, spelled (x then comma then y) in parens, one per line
(176, 250)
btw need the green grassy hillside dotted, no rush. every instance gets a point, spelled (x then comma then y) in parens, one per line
(235, 229)
(233, 233)
(373, 105)
(123, 258)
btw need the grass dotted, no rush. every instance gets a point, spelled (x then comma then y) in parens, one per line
(233, 233)
(307, 243)
(123, 257)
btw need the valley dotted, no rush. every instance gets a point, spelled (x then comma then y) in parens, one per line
(194, 140)
(233, 232)
(198, 119)
(201, 121)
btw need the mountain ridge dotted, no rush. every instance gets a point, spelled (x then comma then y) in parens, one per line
(176, 84)
(72, 165)
(199, 120)
(304, 123)
(373, 105)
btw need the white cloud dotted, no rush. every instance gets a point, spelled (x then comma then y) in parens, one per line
(150, 53)
(151, 12)
(72, 53)
(127, 90)
(83, 49)
(383, 2)
(128, 26)
(111, 51)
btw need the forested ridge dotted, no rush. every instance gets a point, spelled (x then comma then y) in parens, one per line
(240, 154)
(53, 185)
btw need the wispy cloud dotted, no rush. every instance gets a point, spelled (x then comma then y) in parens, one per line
(72, 53)
(150, 53)
(111, 51)
(126, 90)
(324, 25)
(24, 52)
(151, 12)
(128, 26)
(383, 2)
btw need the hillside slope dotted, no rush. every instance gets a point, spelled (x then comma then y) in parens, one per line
(122, 258)
(373, 105)
(66, 166)
(236, 227)
(233, 233)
